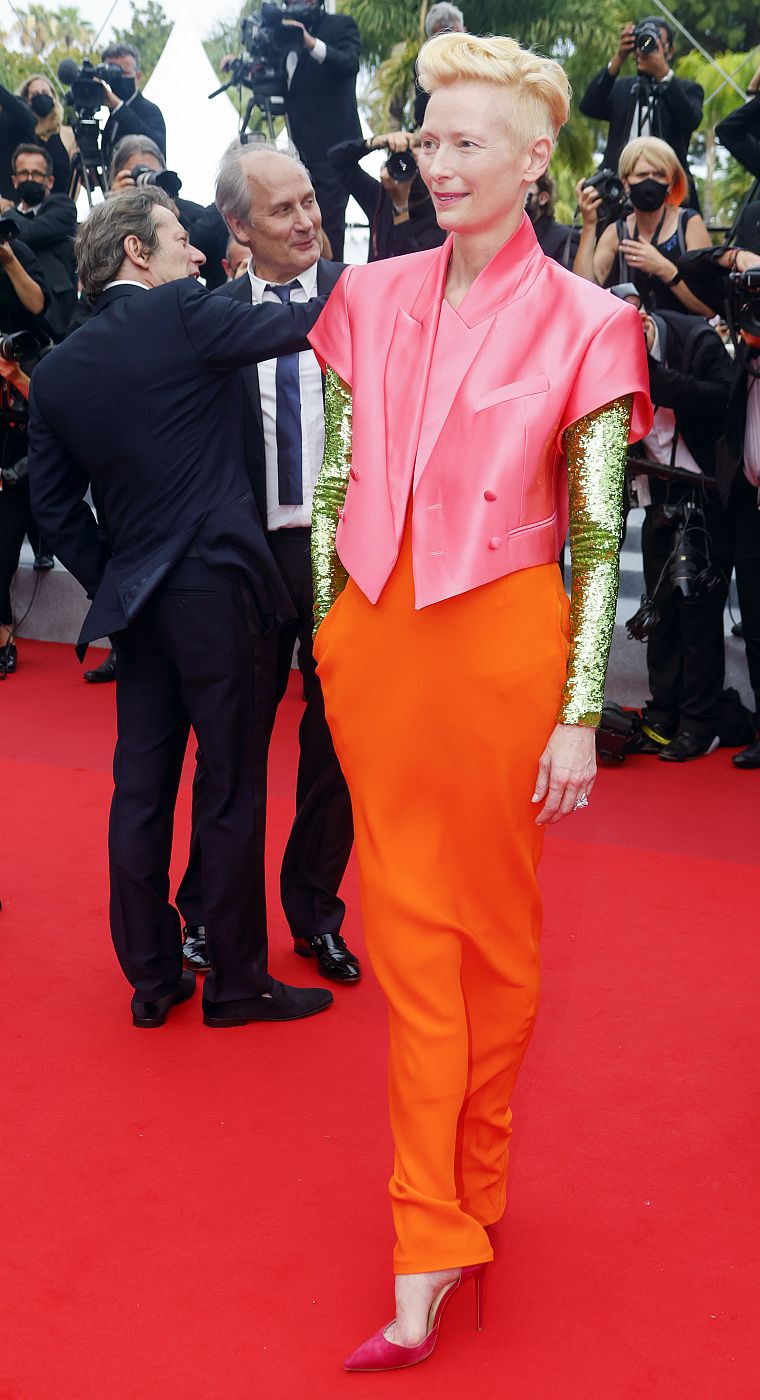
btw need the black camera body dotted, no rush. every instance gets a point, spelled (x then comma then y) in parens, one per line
(611, 191)
(85, 93)
(8, 230)
(646, 36)
(744, 297)
(166, 180)
(20, 345)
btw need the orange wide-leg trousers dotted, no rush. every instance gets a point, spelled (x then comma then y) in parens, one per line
(439, 718)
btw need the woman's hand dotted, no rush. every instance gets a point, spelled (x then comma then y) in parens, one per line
(644, 256)
(589, 200)
(566, 771)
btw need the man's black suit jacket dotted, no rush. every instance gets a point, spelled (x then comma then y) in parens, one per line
(51, 233)
(739, 132)
(322, 96)
(144, 403)
(139, 117)
(613, 100)
(253, 422)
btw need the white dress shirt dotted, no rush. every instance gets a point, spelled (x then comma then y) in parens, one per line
(312, 413)
(640, 124)
(658, 444)
(318, 53)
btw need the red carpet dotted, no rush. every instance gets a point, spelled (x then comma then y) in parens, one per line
(201, 1215)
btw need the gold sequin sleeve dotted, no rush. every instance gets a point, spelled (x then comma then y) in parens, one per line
(596, 448)
(329, 494)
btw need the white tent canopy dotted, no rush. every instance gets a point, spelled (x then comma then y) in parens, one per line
(197, 131)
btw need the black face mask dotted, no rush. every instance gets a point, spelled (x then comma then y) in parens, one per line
(30, 192)
(124, 87)
(648, 195)
(41, 104)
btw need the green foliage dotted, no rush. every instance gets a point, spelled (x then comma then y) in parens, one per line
(148, 29)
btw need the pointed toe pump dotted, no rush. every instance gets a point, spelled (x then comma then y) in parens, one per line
(379, 1354)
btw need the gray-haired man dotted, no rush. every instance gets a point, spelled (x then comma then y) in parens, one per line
(268, 202)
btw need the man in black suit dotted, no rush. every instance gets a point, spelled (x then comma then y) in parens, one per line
(268, 202)
(181, 576)
(654, 103)
(321, 70)
(47, 223)
(131, 113)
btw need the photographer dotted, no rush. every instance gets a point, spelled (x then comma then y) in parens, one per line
(398, 207)
(22, 301)
(50, 133)
(47, 223)
(17, 124)
(685, 538)
(739, 132)
(654, 103)
(646, 245)
(556, 240)
(321, 67)
(138, 161)
(131, 114)
(440, 19)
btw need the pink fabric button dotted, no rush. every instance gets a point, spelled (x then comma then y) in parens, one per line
(494, 542)
(489, 495)
(353, 473)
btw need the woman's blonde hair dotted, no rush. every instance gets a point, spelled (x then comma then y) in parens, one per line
(46, 126)
(536, 89)
(663, 157)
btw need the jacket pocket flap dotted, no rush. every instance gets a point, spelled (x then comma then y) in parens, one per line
(536, 384)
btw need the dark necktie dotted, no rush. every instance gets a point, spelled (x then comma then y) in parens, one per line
(288, 421)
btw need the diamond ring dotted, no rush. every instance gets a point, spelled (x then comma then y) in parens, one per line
(582, 801)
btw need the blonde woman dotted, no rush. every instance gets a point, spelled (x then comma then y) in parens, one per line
(57, 139)
(469, 381)
(644, 247)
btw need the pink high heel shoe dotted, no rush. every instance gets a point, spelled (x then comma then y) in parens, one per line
(378, 1354)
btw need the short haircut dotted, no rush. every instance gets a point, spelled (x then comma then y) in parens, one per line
(536, 90)
(663, 157)
(27, 149)
(233, 195)
(123, 51)
(442, 17)
(100, 242)
(128, 147)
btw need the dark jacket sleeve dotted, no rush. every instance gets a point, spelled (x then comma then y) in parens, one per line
(684, 101)
(18, 115)
(344, 158)
(227, 335)
(56, 221)
(703, 393)
(596, 101)
(343, 43)
(58, 488)
(739, 132)
(147, 120)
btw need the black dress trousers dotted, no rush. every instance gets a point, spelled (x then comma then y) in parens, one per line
(746, 523)
(322, 834)
(195, 657)
(686, 649)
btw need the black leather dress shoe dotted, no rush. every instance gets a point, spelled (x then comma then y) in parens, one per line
(106, 671)
(194, 953)
(43, 562)
(336, 961)
(282, 1003)
(749, 757)
(687, 745)
(149, 1014)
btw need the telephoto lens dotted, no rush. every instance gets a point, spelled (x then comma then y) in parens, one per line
(166, 180)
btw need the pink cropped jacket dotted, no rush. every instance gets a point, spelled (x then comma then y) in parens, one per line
(530, 350)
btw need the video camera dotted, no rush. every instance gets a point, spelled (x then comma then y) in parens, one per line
(265, 41)
(85, 93)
